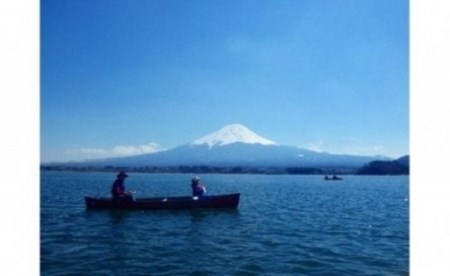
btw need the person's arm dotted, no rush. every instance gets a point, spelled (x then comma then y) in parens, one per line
(120, 191)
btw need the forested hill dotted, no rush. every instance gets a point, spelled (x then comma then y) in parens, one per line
(396, 167)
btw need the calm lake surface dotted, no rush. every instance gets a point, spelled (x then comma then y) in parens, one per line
(291, 225)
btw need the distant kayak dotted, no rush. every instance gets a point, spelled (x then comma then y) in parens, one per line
(332, 178)
(229, 201)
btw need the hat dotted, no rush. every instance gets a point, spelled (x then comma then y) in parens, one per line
(122, 174)
(195, 179)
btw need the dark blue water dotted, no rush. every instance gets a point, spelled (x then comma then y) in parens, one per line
(288, 225)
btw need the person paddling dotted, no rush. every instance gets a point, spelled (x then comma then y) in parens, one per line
(118, 188)
(198, 190)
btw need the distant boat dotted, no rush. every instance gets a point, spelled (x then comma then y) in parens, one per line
(334, 177)
(229, 201)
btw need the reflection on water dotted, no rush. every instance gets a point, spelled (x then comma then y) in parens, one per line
(117, 217)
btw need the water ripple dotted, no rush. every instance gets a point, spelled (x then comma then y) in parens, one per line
(304, 226)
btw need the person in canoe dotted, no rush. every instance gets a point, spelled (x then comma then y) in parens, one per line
(118, 188)
(198, 190)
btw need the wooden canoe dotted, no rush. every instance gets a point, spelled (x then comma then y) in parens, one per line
(229, 201)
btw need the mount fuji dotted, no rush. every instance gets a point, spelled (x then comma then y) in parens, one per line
(236, 145)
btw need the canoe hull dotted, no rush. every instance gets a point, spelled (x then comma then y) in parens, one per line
(230, 201)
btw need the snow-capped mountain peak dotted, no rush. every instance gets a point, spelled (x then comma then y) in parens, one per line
(232, 134)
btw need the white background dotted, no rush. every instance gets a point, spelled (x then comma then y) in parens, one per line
(429, 140)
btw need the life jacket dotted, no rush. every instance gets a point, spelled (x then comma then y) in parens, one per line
(197, 189)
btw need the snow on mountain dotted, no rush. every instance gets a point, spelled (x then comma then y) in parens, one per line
(232, 134)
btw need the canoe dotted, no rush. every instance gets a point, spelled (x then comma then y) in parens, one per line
(332, 178)
(229, 201)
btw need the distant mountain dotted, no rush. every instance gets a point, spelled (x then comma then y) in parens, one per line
(236, 145)
(379, 167)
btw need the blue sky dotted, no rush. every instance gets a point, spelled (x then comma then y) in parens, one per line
(122, 77)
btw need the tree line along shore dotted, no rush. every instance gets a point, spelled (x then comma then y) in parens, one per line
(372, 168)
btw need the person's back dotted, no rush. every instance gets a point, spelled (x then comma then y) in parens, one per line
(197, 187)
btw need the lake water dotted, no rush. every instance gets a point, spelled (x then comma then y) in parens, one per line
(291, 225)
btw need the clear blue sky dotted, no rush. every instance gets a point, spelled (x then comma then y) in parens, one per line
(324, 75)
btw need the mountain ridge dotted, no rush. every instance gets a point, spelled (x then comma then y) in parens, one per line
(236, 145)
